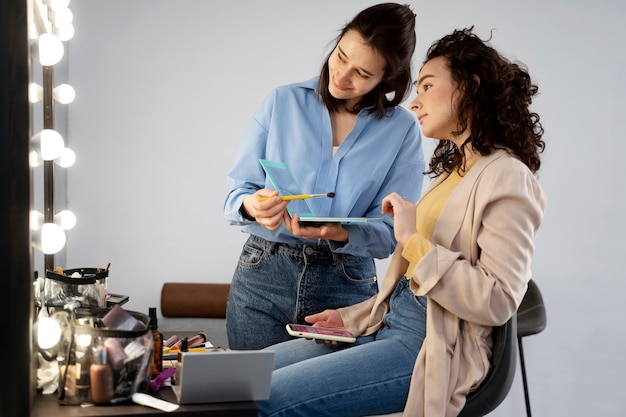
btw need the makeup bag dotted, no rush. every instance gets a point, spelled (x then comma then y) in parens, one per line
(106, 358)
(80, 287)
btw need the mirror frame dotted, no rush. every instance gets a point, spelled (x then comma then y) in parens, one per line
(16, 298)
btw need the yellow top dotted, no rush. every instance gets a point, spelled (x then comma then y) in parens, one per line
(427, 212)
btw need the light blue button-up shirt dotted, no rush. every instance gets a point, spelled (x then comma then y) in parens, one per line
(377, 157)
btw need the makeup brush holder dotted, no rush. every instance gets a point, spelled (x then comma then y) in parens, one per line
(105, 365)
(76, 288)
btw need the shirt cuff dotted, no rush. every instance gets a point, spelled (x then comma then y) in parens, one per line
(245, 214)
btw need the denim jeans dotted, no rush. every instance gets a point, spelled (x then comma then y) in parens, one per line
(370, 376)
(278, 283)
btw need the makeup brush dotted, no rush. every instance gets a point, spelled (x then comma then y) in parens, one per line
(299, 196)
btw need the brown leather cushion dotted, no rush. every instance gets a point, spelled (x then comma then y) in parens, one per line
(194, 299)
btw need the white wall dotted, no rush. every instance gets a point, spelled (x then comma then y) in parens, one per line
(165, 88)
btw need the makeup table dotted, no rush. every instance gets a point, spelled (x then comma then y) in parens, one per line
(48, 406)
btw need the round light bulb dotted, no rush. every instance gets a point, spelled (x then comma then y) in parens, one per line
(50, 49)
(36, 220)
(63, 17)
(59, 4)
(33, 33)
(66, 219)
(35, 93)
(65, 32)
(64, 93)
(83, 340)
(67, 158)
(34, 159)
(52, 238)
(49, 143)
(48, 332)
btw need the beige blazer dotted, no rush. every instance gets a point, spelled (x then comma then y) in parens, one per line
(475, 278)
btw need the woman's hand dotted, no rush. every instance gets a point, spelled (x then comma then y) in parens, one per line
(330, 231)
(403, 213)
(327, 318)
(268, 213)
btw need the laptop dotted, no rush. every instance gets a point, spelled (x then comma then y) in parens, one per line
(285, 183)
(224, 376)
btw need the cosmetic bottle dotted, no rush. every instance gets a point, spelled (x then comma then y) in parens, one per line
(83, 360)
(157, 342)
(184, 347)
(116, 355)
(101, 378)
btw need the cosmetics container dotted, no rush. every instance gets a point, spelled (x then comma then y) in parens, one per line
(85, 286)
(116, 361)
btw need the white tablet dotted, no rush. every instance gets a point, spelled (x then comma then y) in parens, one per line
(315, 219)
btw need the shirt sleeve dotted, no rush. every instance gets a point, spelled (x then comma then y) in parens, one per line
(247, 175)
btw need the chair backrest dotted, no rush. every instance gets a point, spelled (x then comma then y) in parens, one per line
(531, 314)
(497, 384)
(194, 299)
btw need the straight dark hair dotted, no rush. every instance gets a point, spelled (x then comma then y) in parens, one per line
(389, 28)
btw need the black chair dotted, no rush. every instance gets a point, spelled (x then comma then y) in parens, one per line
(499, 379)
(495, 387)
(531, 319)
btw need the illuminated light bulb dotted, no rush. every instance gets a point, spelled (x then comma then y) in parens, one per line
(49, 143)
(83, 340)
(66, 219)
(65, 32)
(59, 4)
(50, 49)
(34, 159)
(63, 93)
(49, 239)
(63, 17)
(52, 238)
(36, 220)
(43, 10)
(33, 34)
(48, 332)
(35, 93)
(66, 159)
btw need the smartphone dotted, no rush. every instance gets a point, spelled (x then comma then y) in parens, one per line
(323, 333)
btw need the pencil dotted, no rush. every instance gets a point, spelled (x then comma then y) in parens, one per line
(299, 196)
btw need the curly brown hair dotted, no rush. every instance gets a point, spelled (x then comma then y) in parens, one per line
(495, 98)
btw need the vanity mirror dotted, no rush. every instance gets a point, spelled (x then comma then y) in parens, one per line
(29, 49)
(50, 27)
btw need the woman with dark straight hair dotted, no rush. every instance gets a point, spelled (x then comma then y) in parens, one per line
(343, 132)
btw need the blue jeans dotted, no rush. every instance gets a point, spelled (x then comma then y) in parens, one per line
(370, 376)
(278, 283)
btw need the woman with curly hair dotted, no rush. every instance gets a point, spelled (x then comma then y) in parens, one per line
(463, 259)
